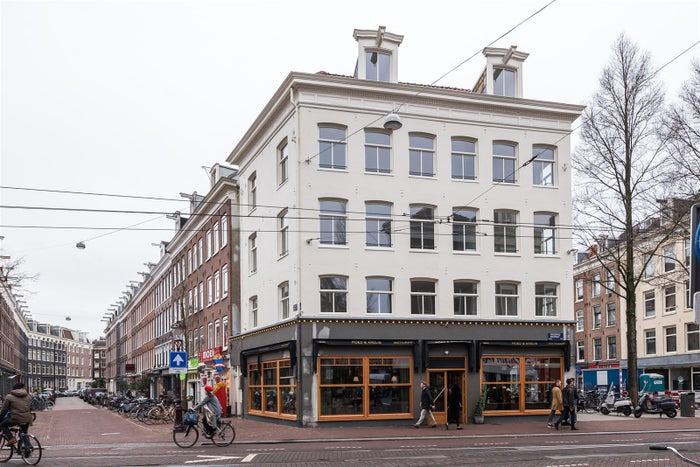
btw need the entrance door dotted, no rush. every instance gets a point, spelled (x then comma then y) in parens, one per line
(440, 382)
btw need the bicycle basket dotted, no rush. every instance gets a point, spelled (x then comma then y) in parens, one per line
(190, 418)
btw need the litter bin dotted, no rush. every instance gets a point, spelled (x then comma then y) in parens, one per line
(688, 404)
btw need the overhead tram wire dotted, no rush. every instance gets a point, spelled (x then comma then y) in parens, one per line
(403, 215)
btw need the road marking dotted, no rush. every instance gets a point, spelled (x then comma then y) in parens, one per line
(249, 458)
(109, 434)
(212, 458)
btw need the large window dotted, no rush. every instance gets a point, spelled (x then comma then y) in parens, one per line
(597, 349)
(466, 298)
(421, 155)
(519, 384)
(670, 298)
(423, 297)
(422, 228)
(378, 66)
(378, 224)
(579, 321)
(283, 296)
(580, 351)
(252, 191)
(610, 314)
(272, 391)
(692, 336)
(365, 387)
(648, 266)
(595, 286)
(503, 82)
(224, 280)
(463, 229)
(579, 290)
(670, 335)
(282, 163)
(506, 299)
(379, 295)
(545, 299)
(253, 305)
(334, 294)
(331, 150)
(463, 159)
(543, 166)
(333, 219)
(649, 304)
(669, 259)
(253, 253)
(609, 283)
(650, 339)
(505, 231)
(377, 152)
(544, 233)
(597, 317)
(282, 234)
(504, 161)
(612, 347)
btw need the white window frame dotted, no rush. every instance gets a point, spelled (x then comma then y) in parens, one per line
(282, 163)
(505, 231)
(378, 151)
(463, 156)
(224, 230)
(423, 302)
(336, 295)
(464, 231)
(546, 297)
(611, 347)
(253, 306)
(425, 226)
(378, 224)
(419, 156)
(595, 285)
(465, 303)
(545, 236)
(283, 297)
(253, 253)
(580, 321)
(333, 221)
(224, 280)
(670, 300)
(501, 161)
(543, 165)
(610, 312)
(282, 234)
(507, 303)
(336, 148)
(579, 289)
(384, 295)
(671, 332)
(649, 303)
(252, 192)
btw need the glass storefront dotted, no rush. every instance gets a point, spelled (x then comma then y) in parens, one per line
(519, 384)
(365, 387)
(271, 392)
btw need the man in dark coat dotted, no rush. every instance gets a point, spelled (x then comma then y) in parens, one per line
(19, 406)
(569, 397)
(426, 405)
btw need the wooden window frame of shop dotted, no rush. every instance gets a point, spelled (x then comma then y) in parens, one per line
(366, 384)
(522, 382)
(278, 387)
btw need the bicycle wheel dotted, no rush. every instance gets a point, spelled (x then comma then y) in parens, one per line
(30, 450)
(185, 436)
(224, 435)
(5, 450)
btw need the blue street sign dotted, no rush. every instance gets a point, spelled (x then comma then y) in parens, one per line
(178, 359)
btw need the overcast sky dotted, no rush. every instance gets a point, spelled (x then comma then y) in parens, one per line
(133, 97)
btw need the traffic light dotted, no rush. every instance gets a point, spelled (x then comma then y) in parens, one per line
(695, 260)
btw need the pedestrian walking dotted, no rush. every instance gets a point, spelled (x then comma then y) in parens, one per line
(569, 397)
(454, 406)
(557, 403)
(426, 405)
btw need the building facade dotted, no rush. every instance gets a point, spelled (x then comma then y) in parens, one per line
(375, 257)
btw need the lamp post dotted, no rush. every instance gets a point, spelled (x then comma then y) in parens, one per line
(178, 337)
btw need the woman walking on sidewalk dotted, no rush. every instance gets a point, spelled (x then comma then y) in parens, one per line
(454, 406)
(557, 403)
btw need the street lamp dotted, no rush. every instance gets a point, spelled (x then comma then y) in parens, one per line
(178, 334)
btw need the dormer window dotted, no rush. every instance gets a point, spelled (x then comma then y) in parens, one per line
(503, 75)
(503, 82)
(377, 58)
(378, 66)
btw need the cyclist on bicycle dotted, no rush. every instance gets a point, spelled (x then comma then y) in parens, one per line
(212, 410)
(16, 410)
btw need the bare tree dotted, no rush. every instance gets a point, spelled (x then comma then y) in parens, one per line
(681, 129)
(12, 276)
(620, 169)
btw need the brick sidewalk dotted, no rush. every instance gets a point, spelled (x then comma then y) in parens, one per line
(73, 422)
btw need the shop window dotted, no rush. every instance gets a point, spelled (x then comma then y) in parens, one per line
(365, 387)
(519, 384)
(272, 389)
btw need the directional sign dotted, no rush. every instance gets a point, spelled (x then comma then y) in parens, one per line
(178, 360)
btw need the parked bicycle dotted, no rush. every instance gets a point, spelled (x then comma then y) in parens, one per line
(27, 445)
(186, 435)
(673, 450)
